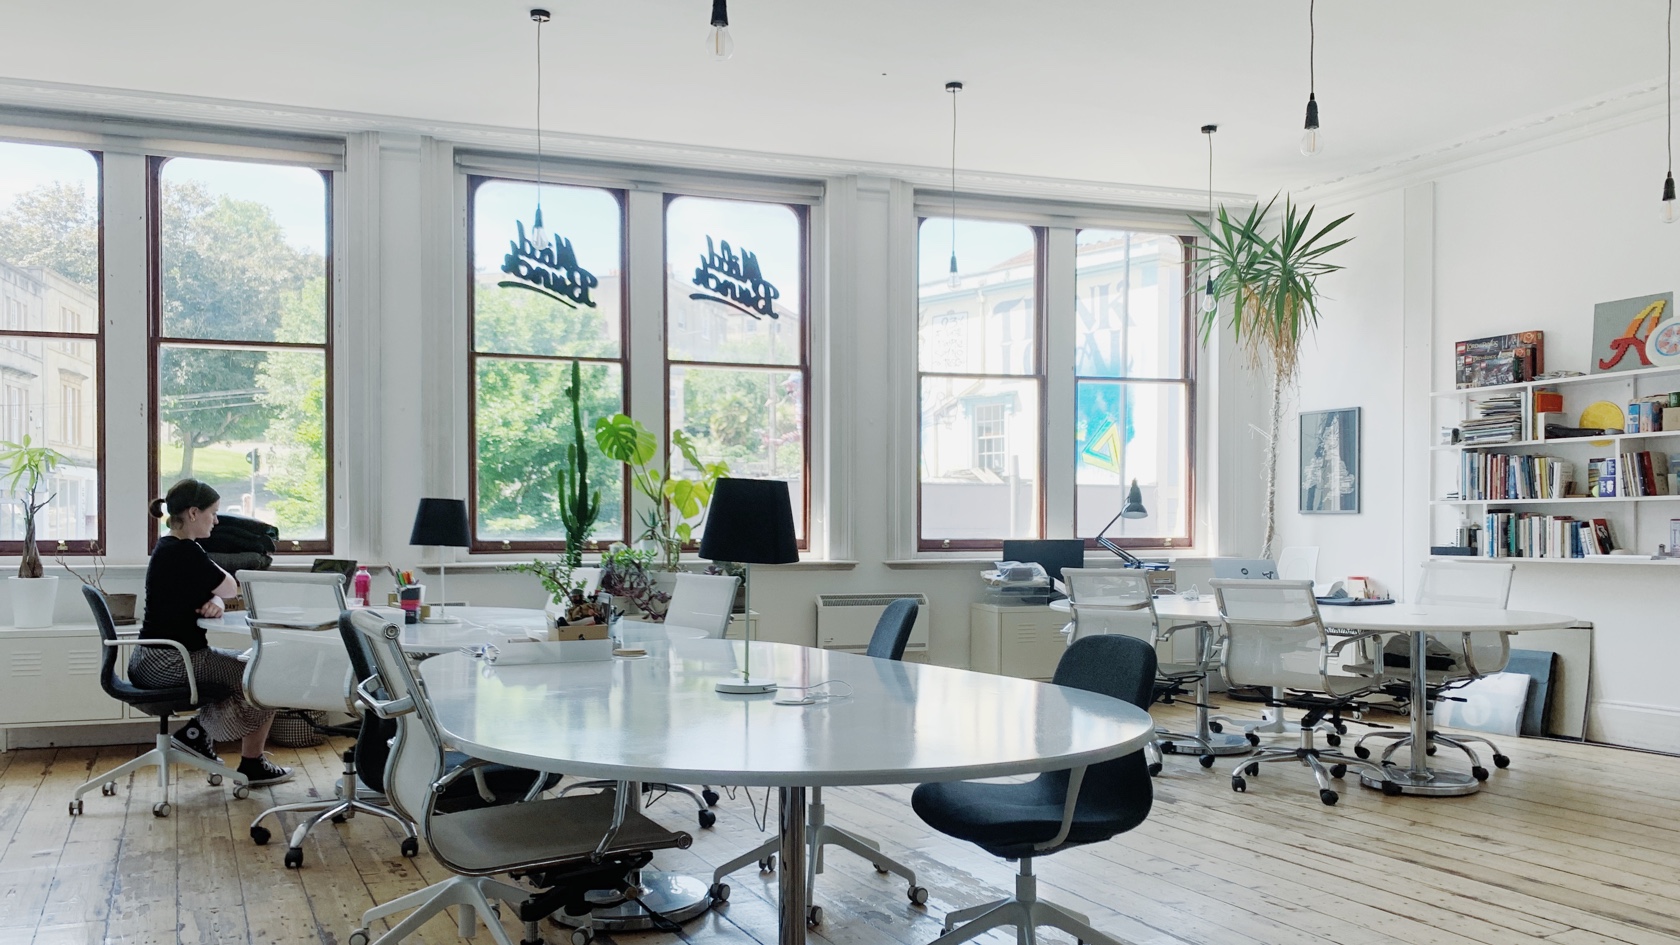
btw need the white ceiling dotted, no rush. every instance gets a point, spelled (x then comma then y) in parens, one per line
(1094, 90)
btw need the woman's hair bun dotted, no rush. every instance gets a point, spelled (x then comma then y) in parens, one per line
(157, 508)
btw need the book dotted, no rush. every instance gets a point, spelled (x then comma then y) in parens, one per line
(1499, 359)
(1601, 535)
(1607, 479)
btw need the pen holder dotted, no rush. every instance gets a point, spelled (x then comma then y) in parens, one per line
(409, 598)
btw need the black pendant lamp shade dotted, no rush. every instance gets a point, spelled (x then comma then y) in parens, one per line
(441, 522)
(750, 522)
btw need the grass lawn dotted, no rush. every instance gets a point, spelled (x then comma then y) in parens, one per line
(213, 464)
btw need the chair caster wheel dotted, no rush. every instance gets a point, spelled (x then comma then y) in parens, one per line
(260, 835)
(1155, 769)
(918, 895)
(879, 868)
(1431, 749)
(814, 916)
(1239, 784)
(710, 797)
(1479, 773)
(358, 937)
(214, 779)
(76, 807)
(1341, 728)
(160, 809)
(707, 818)
(1328, 797)
(768, 864)
(410, 847)
(1360, 751)
(582, 936)
(241, 792)
(338, 818)
(719, 893)
(1390, 789)
(1215, 727)
(1337, 771)
(1253, 739)
(1205, 761)
(1252, 769)
(1334, 741)
(294, 858)
(1169, 748)
(109, 788)
(1499, 761)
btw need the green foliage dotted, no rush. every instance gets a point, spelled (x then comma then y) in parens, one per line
(624, 439)
(555, 576)
(578, 506)
(55, 226)
(26, 466)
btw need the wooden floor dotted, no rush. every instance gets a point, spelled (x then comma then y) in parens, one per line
(1575, 845)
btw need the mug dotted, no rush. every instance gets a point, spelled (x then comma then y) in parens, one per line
(409, 598)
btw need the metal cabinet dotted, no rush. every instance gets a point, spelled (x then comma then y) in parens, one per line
(1024, 641)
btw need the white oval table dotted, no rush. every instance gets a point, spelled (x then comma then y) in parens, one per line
(658, 718)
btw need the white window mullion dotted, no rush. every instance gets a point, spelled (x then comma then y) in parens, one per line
(126, 389)
(1058, 383)
(644, 234)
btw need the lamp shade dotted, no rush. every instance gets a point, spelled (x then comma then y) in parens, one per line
(1134, 503)
(441, 522)
(750, 522)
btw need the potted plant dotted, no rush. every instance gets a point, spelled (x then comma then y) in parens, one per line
(1268, 284)
(624, 575)
(579, 508)
(624, 439)
(33, 594)
(121, 605)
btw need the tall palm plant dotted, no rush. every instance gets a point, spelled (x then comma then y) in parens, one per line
(1267, 286)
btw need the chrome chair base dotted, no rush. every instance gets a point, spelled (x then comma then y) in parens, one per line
(472, 895)
(1326, 766)
(348, 801)
(1026, 912)
(163, 755)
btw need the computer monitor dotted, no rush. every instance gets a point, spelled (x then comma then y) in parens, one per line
(1054, 554)
(1245, 569)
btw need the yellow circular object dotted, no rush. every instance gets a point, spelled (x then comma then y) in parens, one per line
(1603, 415)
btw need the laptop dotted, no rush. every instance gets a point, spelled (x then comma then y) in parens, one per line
(1245, 569)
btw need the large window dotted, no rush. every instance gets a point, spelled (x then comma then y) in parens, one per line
(737, 364)
(51, 350)
(538, 306)
(980, 379)
(241, 339)
(1132, 392)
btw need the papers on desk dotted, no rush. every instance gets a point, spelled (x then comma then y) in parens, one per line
(564, 651)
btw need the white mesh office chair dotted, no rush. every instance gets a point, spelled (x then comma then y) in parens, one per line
(701, 603)
(1119, 600)
(1462, 656)
(1274, 639)
(572, 844)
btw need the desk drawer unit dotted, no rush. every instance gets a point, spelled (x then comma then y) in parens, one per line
(52, 675)
(1022, 641)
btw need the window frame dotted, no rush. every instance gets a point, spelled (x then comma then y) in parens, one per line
(156, 341)
(624, 362)
(802, 214)
(1187, 370)
(97, 545)
(1039, 376)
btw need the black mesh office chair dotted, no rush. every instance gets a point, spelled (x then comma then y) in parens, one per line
(892, 633)
(1021, 821)
(162, 703)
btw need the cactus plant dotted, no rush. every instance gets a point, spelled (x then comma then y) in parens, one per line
(578, 507)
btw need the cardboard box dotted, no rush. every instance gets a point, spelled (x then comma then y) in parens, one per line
(596, 631)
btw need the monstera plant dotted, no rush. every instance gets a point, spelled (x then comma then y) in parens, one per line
(624, 439)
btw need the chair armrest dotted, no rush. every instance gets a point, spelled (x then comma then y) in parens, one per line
(384, 708)
(1336, 649)
(1076, 777)
(186, 659)
(621, 805)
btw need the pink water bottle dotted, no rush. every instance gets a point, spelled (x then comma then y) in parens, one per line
(363, 585)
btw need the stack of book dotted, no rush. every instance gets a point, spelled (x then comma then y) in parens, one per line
(1503, 476)
(1520, 535)
(1632, 475)
(1498, 420)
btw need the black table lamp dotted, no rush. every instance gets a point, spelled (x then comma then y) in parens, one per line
(750, 522)
(441, 523)
(1132, 509)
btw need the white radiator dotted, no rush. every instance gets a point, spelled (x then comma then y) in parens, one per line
(847, 621)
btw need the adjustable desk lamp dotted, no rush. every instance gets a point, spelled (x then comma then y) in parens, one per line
(441, 523)
(1132, 509)
(751, 522)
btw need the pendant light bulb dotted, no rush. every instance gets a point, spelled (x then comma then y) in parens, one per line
(1670, 206)
(1210, 302)
(954, 280)
(1312, 139)
(720, 44)
(539, 233)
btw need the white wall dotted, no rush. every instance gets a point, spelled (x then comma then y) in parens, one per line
(1529, 241)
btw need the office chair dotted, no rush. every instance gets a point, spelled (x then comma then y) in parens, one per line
(702, 603)
(162, 703)
(1119, 600)
(892, 632)
(566, 845)
(1275, 639)
(1463, 656)
(1058, 809)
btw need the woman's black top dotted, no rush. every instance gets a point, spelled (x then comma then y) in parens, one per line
(179, 580)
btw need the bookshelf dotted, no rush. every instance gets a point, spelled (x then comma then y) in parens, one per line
(1638, 523)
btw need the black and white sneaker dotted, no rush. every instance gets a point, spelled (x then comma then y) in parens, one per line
(261, 771)
(192, 737)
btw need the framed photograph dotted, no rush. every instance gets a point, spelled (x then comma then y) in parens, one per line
(1330, 460)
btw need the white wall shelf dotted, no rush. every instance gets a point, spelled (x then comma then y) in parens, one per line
(1594, 559)
(1569, 500)
(1597, 442)
(1560, 382)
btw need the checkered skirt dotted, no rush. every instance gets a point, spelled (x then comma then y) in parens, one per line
(229, 720)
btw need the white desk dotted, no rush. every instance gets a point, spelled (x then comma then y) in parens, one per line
(658, 719)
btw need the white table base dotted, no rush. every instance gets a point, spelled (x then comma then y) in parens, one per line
(675, 896)
(1419, 779)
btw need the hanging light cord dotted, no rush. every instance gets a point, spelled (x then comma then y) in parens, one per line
(1670, 77)
(1210, 179)
(1312, 49)
(539, 112)
(954, 171)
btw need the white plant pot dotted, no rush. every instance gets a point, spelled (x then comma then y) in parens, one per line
(33, 601)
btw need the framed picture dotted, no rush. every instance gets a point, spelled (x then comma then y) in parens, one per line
(1330, 460)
